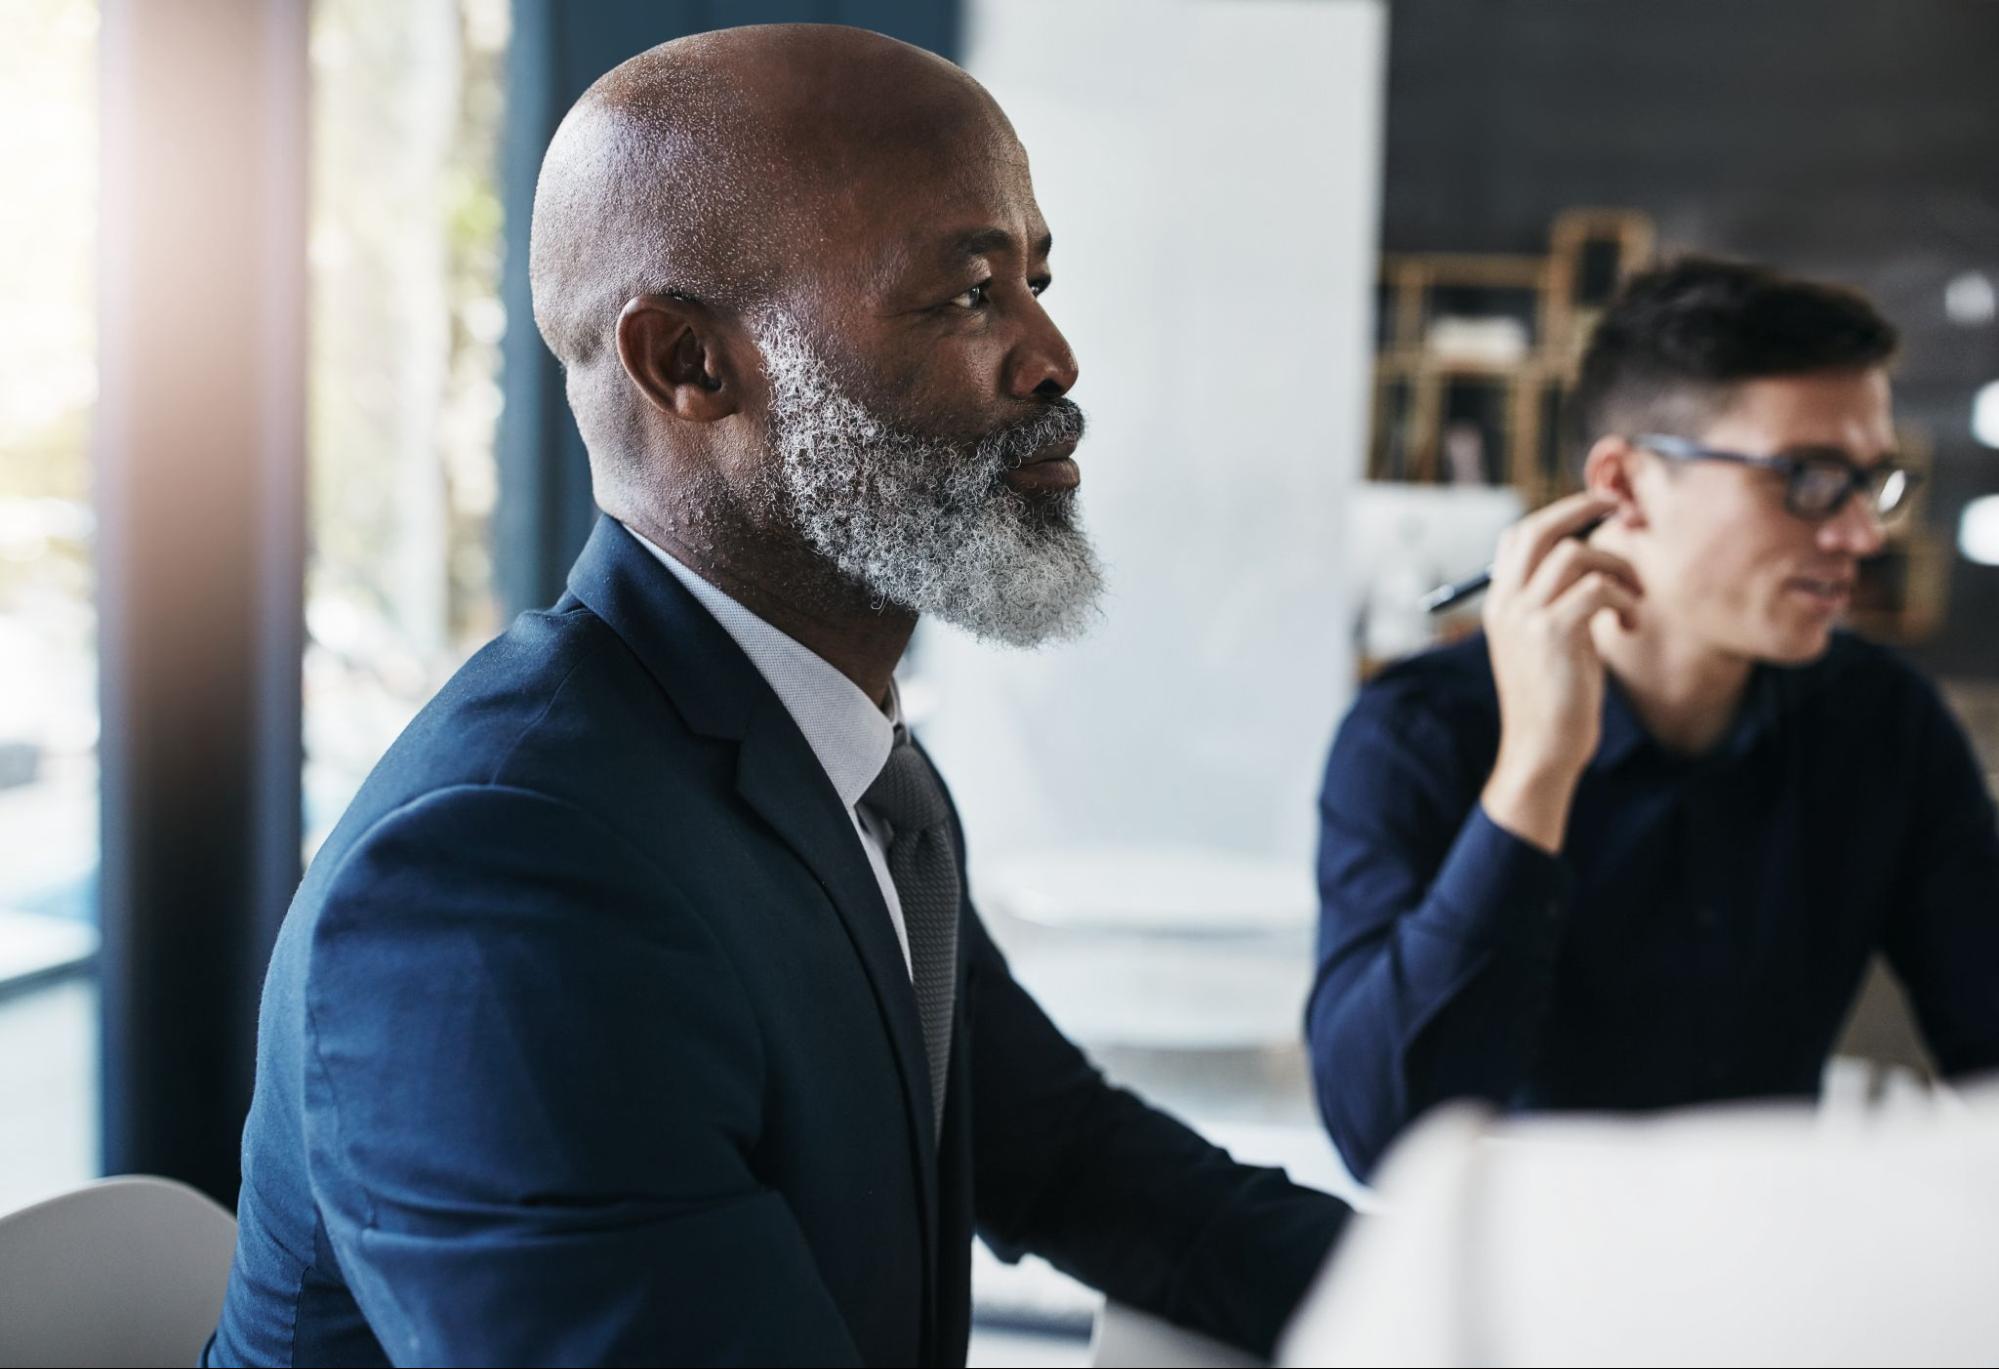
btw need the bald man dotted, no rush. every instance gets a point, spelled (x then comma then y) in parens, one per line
(636, 1012)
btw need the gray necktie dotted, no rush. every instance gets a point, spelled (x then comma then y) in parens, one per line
(923, 866)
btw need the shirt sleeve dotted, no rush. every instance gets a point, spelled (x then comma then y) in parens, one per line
(1437, 931)
(1944, 942)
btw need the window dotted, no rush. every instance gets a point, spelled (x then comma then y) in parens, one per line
(403, 389)
(48, 653)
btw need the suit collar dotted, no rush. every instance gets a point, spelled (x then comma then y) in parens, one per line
(851, 736)
(711, 683)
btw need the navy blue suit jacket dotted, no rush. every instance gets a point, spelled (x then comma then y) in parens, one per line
(588, 1039)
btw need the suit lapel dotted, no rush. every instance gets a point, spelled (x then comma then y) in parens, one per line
(719, 693)
(780, 777)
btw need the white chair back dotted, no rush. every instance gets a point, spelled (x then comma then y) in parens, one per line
(126, 1271)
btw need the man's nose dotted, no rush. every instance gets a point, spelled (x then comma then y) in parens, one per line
(1040, 366)
(1856, 529)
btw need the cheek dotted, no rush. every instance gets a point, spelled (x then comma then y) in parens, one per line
(955, 390)
(954, 376)
(911, 359)
(968, 369)
(1695, 565)
(1722, 551)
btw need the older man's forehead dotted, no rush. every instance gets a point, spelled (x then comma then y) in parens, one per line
(921, 184)
(944, 184)
(942, 226)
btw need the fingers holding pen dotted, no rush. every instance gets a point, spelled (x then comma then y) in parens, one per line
(1525, 545)
(1548, 585)
(1590, 594)
(1571, 562)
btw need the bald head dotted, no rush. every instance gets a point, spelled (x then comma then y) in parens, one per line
(794, 276)
(715, 167)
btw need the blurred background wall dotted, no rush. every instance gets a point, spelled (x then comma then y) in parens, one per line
(1227, 418)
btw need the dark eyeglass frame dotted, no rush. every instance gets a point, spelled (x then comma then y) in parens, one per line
(1888, 484)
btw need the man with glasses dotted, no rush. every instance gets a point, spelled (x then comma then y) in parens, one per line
(1633, 845)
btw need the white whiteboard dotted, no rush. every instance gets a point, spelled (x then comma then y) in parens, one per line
(1210, 171)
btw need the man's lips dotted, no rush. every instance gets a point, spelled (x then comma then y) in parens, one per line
(1832, 591)
(1050, 468)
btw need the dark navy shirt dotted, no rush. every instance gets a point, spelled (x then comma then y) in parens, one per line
(1705, 929)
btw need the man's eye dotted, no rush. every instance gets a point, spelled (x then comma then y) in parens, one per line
(980, 295)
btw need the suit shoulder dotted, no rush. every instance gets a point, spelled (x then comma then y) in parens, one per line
(556, 705)
(546, 669)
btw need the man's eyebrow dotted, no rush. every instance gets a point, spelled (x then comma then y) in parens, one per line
(985, 241)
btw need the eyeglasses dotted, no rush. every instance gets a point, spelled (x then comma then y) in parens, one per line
(1817, 481)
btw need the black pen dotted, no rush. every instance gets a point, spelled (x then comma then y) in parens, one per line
(1450, 596)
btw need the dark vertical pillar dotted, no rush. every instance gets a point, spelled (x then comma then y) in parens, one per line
(545, 508)
(200, 471)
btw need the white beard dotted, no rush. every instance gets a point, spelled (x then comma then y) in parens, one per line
(926, 524)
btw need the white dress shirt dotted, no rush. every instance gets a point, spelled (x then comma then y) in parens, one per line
(849, 735)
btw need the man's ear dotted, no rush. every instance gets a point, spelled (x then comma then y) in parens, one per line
(1611, 470)
(676, 351)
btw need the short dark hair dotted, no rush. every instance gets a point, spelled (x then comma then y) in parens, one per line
(1676, 341)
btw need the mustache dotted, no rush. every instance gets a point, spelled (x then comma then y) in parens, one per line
(1009, 447)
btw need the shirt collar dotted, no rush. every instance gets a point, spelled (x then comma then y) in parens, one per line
(1762, 709)
(849, 735)
(1624, 733)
